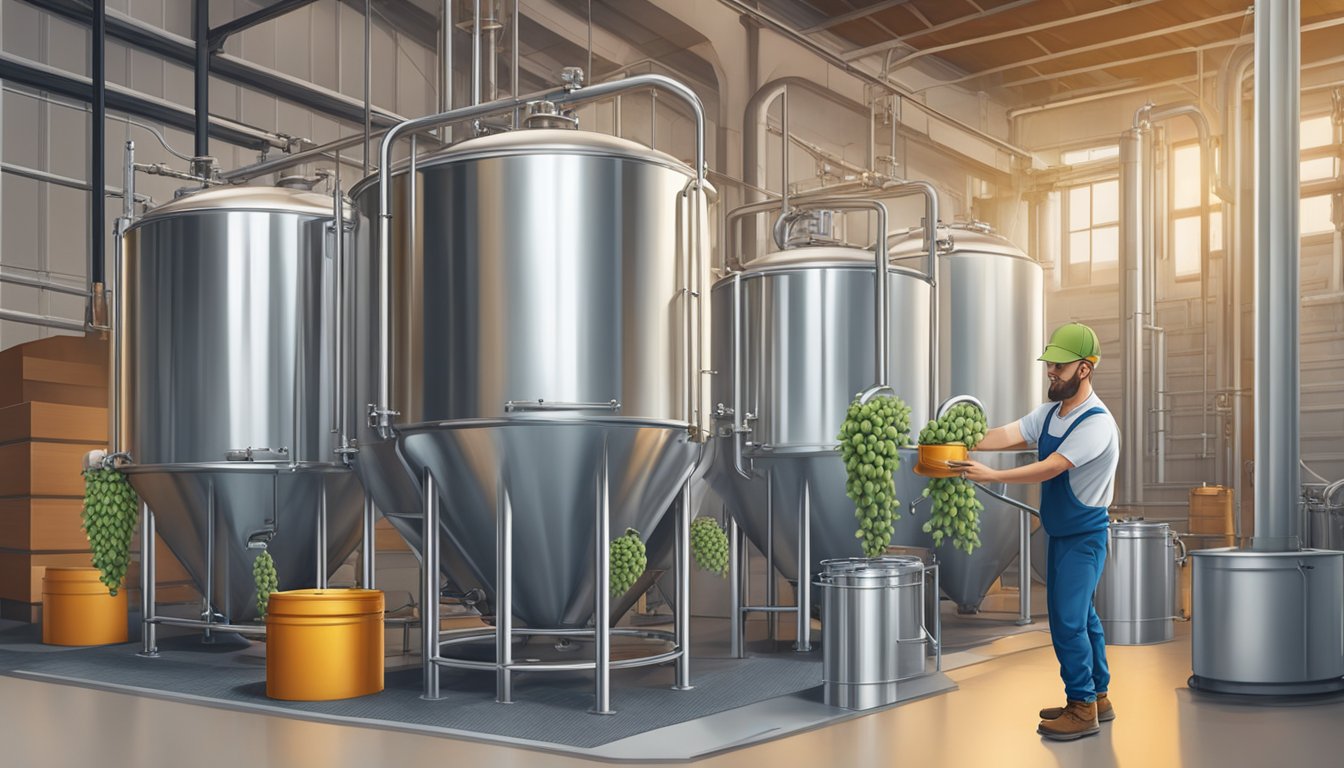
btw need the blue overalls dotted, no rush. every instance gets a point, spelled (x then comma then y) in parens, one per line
(1077, 553)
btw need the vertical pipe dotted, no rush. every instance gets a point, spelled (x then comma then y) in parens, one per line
(148, 644)
(514, 84)
(784, 155)
(491, 45)
(1205, 180)
(368, 551)
(97, 161)
(116, 291)
(476, 53)
(1024, 569)
(602, 595)
(1237, 263)
(503, 593)
(771, 618)
(803, 641)
(446, 67)
(337, 305)
(513, 76)
(1277, 76)
(1132, 226)
(322, 537)
(201, 21)
(429, 589)
(881, 305)
(368, 84)
(683, 592)
(209, 597)
(735, 545)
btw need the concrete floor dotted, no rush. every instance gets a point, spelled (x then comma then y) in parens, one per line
(990, 720)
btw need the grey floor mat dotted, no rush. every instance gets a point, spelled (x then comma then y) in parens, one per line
(550, 708)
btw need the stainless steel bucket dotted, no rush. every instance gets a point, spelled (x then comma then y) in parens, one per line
(872, 628)
(1136, 597)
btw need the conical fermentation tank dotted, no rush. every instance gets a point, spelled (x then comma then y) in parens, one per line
(991, 329)
(797, 329)
(226, 387)
(542, 323)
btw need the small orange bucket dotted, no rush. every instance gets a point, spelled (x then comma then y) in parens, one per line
(324, 644)
(77, 609)
(933, 459)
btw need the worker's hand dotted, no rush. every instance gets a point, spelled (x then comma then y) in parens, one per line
(974, 471)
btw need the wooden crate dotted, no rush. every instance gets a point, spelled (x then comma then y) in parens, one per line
(70, 370)
(42, 525)
(43, 468)
(53, 421)
(1211, 510)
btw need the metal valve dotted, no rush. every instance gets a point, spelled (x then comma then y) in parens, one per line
(572, 78)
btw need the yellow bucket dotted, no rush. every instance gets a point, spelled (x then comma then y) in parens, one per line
(77, 609)
(933, 459)
(324, 644)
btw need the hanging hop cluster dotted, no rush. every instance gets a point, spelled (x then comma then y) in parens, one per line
(870, 440)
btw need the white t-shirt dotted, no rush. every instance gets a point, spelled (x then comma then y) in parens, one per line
(1093, 448)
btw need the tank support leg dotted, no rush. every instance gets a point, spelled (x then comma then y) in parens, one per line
(735, 556)
(429, 589)
(503, 593)
(771, 578)
(1024, 570)
(367, 554)
(322, 536)
(208, 599)
(149, 647)
(803, 643)
(602, 596)
(683, 591)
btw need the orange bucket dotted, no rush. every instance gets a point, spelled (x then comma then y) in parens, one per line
(324, 644)
(933, 459)
(77, 609)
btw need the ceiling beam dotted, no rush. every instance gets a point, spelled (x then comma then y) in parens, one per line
(1018, 32)
(897, 42)
(1103, 45)
(854, 15)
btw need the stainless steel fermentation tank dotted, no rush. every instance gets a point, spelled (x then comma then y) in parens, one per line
(225, 389)
(537, 314)
(796, 335)
(990, 330)
(527, 353)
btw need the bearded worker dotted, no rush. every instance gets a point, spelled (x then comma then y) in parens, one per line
(1077, 451)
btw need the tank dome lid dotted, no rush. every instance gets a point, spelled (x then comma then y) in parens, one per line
(971, 237)
(537, 141)
(817, 257)
(246, 198)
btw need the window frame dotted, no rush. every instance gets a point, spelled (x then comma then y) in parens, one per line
(1086, 273)
(1175, 214)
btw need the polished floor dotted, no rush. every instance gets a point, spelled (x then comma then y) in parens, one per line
(989, 721)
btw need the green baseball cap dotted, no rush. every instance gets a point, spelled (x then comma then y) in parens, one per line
(1070, 342)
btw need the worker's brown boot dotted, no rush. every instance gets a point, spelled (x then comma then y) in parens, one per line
(1105, 712)
(1078, 720)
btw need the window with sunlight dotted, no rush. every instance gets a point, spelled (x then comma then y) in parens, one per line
(1092, 238)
